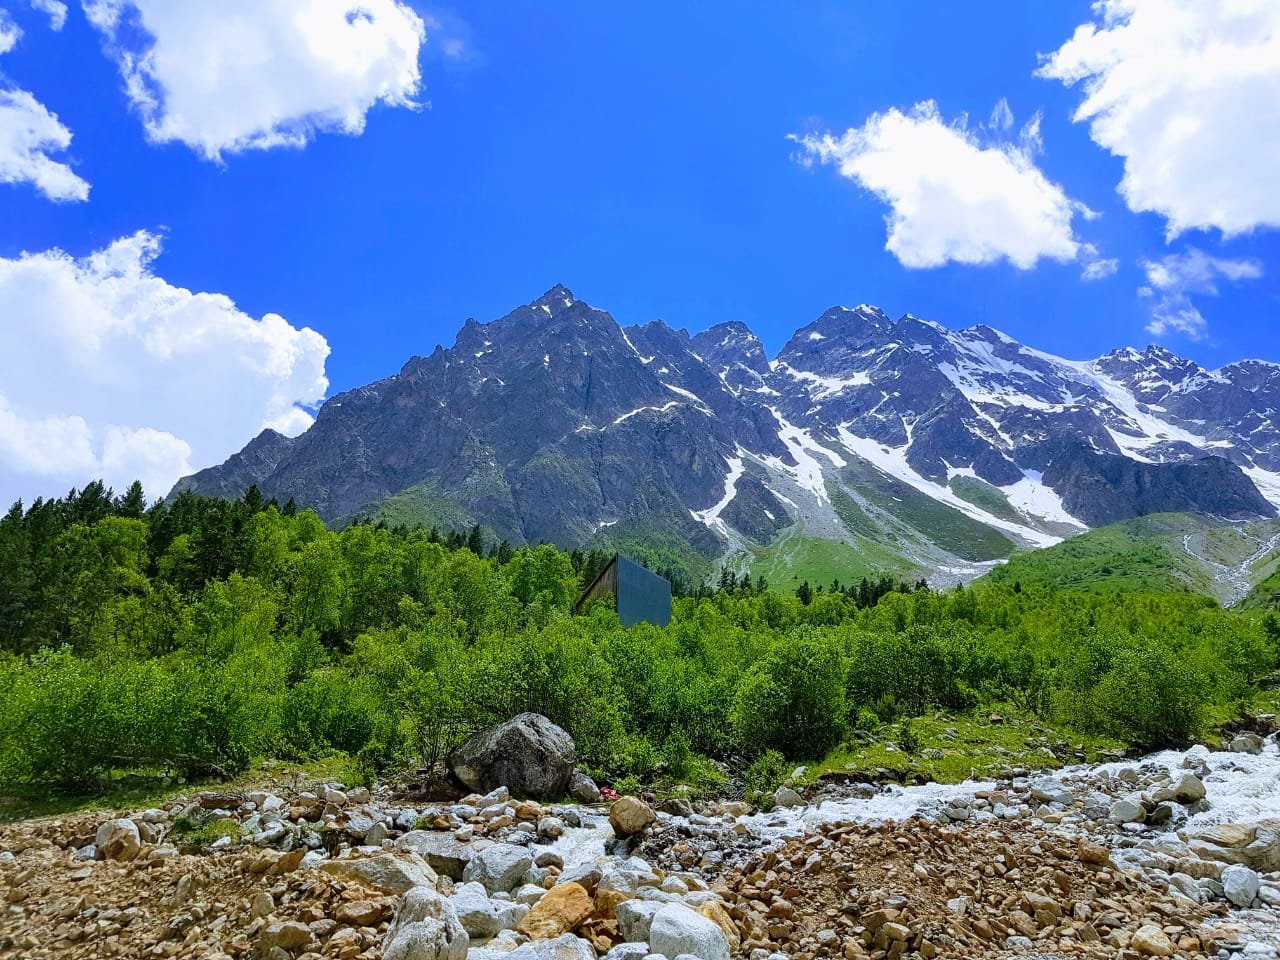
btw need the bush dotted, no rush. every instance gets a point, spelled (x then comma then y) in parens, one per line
(763, 777)
(793, 700)
(1150, 699)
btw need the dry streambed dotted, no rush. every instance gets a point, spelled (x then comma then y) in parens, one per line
(1175, 855)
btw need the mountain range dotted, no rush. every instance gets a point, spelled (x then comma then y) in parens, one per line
(867, 444)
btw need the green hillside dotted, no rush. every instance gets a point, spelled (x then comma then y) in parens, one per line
(1171, 552)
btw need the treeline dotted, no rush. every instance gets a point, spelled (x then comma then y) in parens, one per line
(198, 635)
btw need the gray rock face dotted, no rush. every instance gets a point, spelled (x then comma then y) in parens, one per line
(678, 930)
(425, 927)
(635, 917)
(1127, 811)
(528, 754)
(583, 789)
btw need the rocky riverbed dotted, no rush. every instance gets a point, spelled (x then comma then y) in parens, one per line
(1177, 854)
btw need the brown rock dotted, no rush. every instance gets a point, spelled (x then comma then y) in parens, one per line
(360, 913)
(629, 816)
(1150, 941)
(561, 910)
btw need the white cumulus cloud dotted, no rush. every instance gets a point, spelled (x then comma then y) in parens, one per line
(55, 10)
(110, 371)
(254, 74)
(954, 196)
(1173, 279)
(29, 133)
(1185, 92)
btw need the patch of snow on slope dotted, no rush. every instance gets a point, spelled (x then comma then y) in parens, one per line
(689, 396)
(1267, 482)
(711, 515)
(643, 358)
(1031, 497)
(631, 413)
(802, 447)
(893, 461)
(828, 386)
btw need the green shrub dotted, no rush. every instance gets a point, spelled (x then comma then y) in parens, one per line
(793, 700)
(765, 774)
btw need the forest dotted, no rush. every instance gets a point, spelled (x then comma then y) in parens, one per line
(199, 636)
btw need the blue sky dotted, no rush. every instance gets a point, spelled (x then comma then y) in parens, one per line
(637, 154)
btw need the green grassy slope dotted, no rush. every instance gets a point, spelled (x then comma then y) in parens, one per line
(1163, 552)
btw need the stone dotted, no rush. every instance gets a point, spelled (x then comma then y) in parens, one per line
(528, 754)
(1246, 743)
(1188, 789)
(262, 905)
(1240, 884)
(1127, 811)
(360, 913)
(715, 911)
(562, 910)
(289, 935)
(1150, 941)
(550, 828)
(628, 951)
(481, 917)
(786, 797)
(447, 855)
(1095, 853)
(425, 927)
(635, 917)
(583, 789)
(117, 840)
(500, 867)
(567, 947)
(392, 872)
(677, 930)
(629, 816)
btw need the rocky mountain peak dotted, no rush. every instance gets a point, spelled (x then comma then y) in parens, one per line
(943, 446)
(555, 300)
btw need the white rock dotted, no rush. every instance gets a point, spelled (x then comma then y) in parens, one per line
(1127, 811)
(481, 917)
(786, 797)
(635, 917)
(1240, 884)
(117, 840)
(499, 867)
(678, 930)
(425, 927)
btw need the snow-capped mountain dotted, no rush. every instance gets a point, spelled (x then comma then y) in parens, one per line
(909, 445)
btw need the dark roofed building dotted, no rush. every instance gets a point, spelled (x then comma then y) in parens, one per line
(637, 594)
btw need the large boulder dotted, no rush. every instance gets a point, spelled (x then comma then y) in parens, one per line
(446, 854)
(425, 927)
(528, 754)
(392, 873)
(481, 917)
(677, 930)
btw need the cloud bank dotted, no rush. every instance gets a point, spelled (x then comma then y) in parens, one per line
(110, 371)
